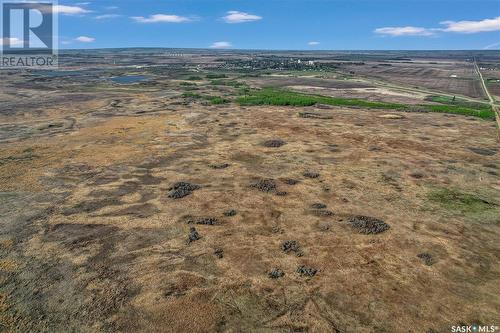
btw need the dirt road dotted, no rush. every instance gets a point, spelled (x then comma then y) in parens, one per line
(491, 99)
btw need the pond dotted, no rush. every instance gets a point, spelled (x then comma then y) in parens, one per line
(129, 79)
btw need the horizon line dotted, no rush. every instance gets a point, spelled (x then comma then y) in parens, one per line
(282, 50)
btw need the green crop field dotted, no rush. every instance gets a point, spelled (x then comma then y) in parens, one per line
(273, 96)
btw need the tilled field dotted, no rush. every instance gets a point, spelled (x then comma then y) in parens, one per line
(450, 78)
(492, 78)
(129, 211)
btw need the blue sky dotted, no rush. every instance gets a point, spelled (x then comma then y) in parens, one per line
(281, 24)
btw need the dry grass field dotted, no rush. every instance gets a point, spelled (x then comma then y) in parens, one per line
(132, 208)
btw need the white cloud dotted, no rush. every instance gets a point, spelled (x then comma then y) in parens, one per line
(13, 41)
(69, 10)
(313, 43)
(234, 16)
(85, 39)
(106, 16)
(404, 31)
(470, 27)
(158, 18)
(494, 46)
(463, 27)
(220, 45)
